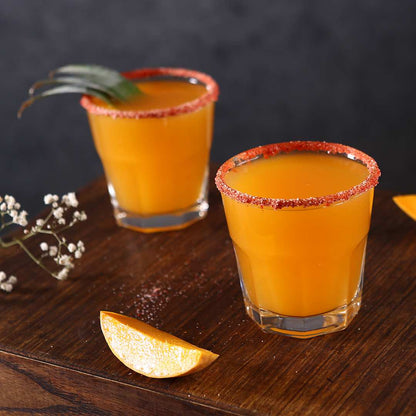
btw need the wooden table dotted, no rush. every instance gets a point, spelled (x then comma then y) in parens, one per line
(54, 360)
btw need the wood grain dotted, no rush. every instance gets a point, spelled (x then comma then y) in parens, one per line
(54, 360)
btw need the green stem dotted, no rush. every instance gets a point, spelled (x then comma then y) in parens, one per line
(26, 250)
(50, 233)
(20, 243)
(5, 224)
(3, 244)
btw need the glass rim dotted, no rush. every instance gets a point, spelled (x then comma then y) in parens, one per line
(211, 94)
(286, 147)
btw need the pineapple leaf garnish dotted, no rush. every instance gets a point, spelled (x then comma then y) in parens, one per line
(65, 89)
(80, 82)
(103, 83)
(123, 88)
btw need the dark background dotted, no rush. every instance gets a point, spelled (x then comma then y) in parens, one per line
(337, 70)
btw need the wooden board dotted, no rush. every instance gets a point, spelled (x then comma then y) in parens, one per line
(54, 360)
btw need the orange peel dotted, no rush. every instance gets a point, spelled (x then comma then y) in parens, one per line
(150, 351)
(407, 203)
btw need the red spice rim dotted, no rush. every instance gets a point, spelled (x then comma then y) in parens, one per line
(188, 107)
(312, 146)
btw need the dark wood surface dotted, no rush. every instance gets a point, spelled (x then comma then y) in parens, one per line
(54, 360)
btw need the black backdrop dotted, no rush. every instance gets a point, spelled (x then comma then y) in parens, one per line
(337, 70)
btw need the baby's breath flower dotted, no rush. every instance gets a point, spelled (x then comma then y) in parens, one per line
(6, 284)
(70, 200)
(12, 280)
(20, 219)
(58, 212)
(53, 251)
(10, 201)
(80, 216)
(63, 274)
(7, 287)
(49, 199)
(71, 247)
(65, 260)
(63, 253)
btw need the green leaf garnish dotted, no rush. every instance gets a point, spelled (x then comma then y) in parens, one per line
(122, 87)
(104, 83)
(65, 89)
(80, 82)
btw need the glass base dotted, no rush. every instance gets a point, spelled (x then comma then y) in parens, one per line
(167, 221)
(163, 222)
(308, 326)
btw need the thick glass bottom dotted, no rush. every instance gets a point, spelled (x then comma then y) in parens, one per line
(167, 221)
(163, 222)
(307, 326)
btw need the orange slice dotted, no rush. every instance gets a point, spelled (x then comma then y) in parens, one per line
(149, 351)
(407, 203)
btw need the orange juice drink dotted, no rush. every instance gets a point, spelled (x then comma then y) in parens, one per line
(298, 214)
(155, 149)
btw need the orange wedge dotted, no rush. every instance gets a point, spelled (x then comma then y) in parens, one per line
(407, 203)
(149, 351)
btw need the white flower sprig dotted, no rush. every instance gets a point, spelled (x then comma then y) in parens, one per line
(59, 251)
(7, 283)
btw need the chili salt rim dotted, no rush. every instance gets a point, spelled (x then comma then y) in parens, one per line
(278, 203)
(210, 95)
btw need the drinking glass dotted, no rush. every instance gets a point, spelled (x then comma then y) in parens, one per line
(156, 160)
(300, 259)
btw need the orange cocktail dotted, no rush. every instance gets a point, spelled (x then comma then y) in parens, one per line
(298, 214)
(155, 149)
